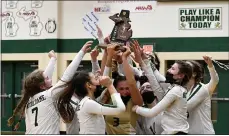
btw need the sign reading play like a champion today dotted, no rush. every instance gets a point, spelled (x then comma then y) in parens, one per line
(200, 18)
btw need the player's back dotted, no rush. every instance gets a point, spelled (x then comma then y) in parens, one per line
(200, 116)
(41, 115)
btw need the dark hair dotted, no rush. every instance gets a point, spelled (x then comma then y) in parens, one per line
(155, 60)
(198, 70)
(31, 86)
(143, 79)
(118, 79)
(76, 85)
(115, 74)
(186, 69)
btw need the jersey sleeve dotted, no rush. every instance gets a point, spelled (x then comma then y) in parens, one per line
(107, 71)
(169, 98)
(50, 68)
(159, 76)
(120, 68)
(214, 79)
(156, 87)
(94, 107)
(136, 71)
(68, 74)
(95, 66)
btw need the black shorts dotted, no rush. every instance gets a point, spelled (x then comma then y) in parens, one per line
(180, 133)
(62, 132)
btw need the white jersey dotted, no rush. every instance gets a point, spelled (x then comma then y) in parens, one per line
(200, 117)
(174, 111)
(149, 126)
(41, 115)
(74, 127)
(91, 114)
(199, 106)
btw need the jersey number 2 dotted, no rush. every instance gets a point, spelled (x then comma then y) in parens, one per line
(36, 110)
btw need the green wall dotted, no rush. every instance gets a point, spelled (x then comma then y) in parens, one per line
(178, 44)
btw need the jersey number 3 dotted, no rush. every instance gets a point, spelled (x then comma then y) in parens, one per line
(36, 112)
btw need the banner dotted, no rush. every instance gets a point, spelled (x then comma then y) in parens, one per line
(89, 22)
(148, 49)
(200, 18)
(117, 6)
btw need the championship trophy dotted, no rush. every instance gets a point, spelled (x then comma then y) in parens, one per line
(121, 32)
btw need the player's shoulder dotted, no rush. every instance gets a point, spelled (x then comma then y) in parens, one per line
(40, 94)
(86, 101)
(75, 99)
(177, 89)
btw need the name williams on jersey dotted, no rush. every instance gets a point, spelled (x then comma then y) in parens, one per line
(36, 101)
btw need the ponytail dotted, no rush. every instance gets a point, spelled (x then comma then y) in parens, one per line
(75, 85)
(64, 106)
(19, 109)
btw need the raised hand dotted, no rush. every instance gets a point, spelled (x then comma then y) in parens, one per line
(135, 108)
(126, 53)
(52, 54)
(137, 52)
(111, 50)
(94, 54)
(105, 81)
(99, 33)
(208, 60)
(86, 48)
(118, 58)
(107, 39)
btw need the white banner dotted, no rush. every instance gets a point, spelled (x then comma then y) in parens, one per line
(132, 6)
(200, 18)
(90, 21)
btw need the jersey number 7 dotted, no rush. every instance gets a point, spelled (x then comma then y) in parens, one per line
(36, 110)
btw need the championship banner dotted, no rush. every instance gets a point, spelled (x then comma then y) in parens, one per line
(132, 6)
(200, 18)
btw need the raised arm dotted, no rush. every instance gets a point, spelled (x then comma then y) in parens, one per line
(51, 65)
(135, 93)
(94, 61)
(156, 87)
(71, 69)
(214, 76)
(110, 54)
(134, 69)
(169, 98)
(148, 69)
(102, 41)
(94, 107)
